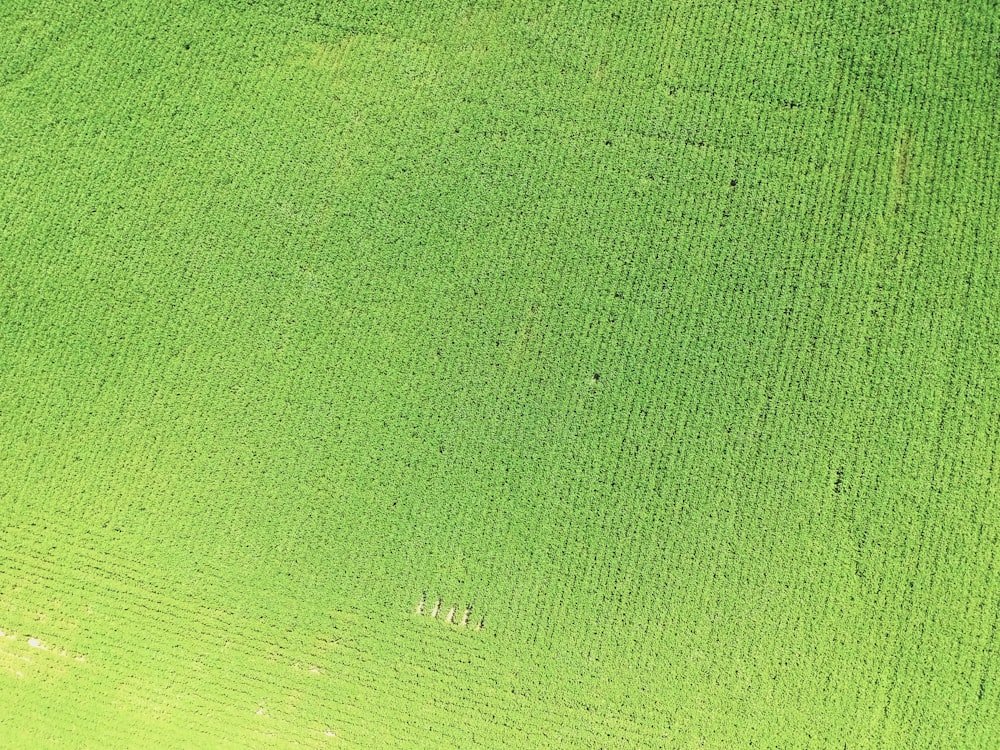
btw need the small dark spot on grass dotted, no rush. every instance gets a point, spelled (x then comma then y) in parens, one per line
(187, 46)
(595, 377)
(732, 183)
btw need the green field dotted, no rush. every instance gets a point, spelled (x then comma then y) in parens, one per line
(487, 374)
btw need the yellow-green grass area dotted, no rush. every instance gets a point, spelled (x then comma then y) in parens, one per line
(499, 374)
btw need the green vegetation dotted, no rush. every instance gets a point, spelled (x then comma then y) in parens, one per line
(499, 374)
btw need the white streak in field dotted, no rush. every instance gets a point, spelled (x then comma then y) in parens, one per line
(459, 617)
(41, 646)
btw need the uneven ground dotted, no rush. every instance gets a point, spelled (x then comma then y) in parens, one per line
(662, 335)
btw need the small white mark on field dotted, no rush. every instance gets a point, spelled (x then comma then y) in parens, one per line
(37, 643)
(459, 617)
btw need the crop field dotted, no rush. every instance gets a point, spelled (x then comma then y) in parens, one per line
(491, 374)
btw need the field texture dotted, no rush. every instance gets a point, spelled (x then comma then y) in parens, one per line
(487, 374)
